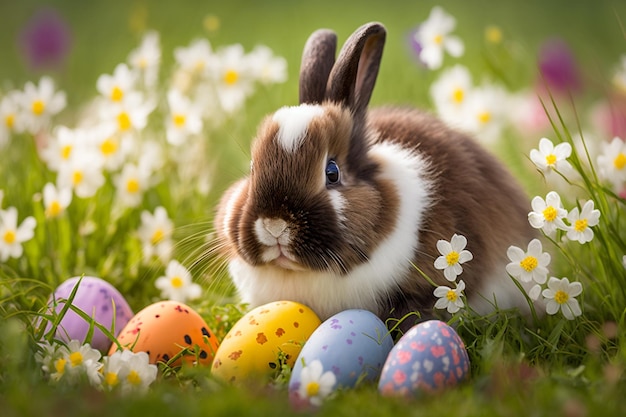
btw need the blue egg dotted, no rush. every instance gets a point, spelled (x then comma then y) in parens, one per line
(347, 348)
(430, 357)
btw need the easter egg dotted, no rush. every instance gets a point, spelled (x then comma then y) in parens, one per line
(164, 329)
(430, 357)
(98, 299)
(253, 348)
(347, 348)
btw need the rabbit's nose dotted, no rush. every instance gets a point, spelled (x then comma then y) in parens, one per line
(275, 227)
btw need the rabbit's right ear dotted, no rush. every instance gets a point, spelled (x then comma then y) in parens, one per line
(318, 58)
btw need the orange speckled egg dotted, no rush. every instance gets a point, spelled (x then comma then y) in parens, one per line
(252, 347)
(163, 329)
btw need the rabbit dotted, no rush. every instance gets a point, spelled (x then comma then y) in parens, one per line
(343, 206)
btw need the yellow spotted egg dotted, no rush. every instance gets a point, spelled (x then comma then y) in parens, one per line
(254, 346)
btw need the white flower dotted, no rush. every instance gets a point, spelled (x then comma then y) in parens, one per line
(184, 118)
(63, 144)
(117, 87)
(11, 119)
(147, 58)
(484, 112)
(78, 360)
(530, 265)
(450, 299)
(612, 162)
(450, 91)
(176, 284)
(82, 173)
(39, 103)
(560, 295)
(55, 200)
(131, 184)
(547, 214)
(231, 74)
(47, 355)
(619, 78)
(549, 158)
(12, 236)
(128, 115)
(196, 58)
(315, 384)
(453, 254)
(266, 67)
(581, 223)
(434, 37)
(128, 371)
(155, 233)
(110, 145)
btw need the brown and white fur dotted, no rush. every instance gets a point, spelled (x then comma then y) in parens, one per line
(406, 180)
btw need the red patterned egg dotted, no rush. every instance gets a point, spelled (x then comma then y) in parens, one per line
(164, 329)
(428, 358)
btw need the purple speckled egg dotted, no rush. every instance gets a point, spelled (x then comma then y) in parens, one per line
(347, 348)
(428, 358)
(96, 298)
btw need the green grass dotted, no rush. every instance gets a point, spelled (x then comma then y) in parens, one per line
(543, 366)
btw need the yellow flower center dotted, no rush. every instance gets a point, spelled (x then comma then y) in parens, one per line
(157, 236)
(108, 147)
(620, 161)
(143, 63)
(9, 236)
(76, 358)
(54, 209)
(549, 213)
(231, 77)
(111, 379)
(176, 282)
(312, 389)
(59, 365)
(199, 67)
(561, 297)
(132, 185)
(123, 121)
(66, 151)
(484, 117)
(9, 120)
(179, 120)
(38, 107)
(580, 225)
(438, 39)
(529, 263)
(451, 296)
(77, 177)
(493, 34)
(551, 159)
(458, 95)
(134, 378)
(452, 258)
(117, 94)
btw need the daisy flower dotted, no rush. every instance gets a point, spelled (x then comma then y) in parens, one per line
(453, 254)
(12, 236)
(55, 201)
(128, 371)
(116, 87)
(612, 162)
(77, 360)
(530, 265)
(10, 117)
(484, 112)
(147, 58)
(315, 384)
(560, 295)
(549, 158)
(155, 233)
(450, 299)
(581, 223)
(47, 356)
(110, 145)
(131, 184)
(267, 68)
(434, 38)
(128, 115)
(82, 173)
(62, 146)
(450, 91)
(547, 214)
(184, 119)
(231, 73)
(196, 58)
(40, 102)
(176, 284)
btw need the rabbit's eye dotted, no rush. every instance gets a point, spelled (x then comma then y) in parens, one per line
(333, 176)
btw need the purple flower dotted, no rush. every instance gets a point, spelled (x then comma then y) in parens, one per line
(558, 66)
(45, 40)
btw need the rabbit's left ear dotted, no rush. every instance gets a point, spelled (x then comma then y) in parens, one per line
(318, 58)
(352, 79)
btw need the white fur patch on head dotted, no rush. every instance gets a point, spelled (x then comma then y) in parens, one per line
(293, 123)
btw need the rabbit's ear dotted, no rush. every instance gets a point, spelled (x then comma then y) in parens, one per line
(318, 58)
(352, 79)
